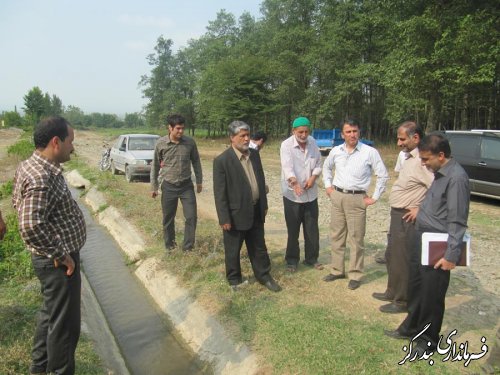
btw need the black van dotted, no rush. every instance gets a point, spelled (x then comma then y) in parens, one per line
(478, 151)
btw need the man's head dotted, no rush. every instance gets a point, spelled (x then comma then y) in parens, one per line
(54, 137)
(409, 135)
(435, 151)
(350, 132)
(239, 133)
(301, 127)
(175, 126)
(259, 138)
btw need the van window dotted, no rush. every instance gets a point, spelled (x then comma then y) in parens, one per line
(463, 145)
(490, 148)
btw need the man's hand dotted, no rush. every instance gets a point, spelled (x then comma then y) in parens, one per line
(3, 228)
(329, 191)
(199, 188)
(444, 265)
(411, 215)
(369, 201)
(154, 194)
(68, 262)
(310, 182)
(226, 226)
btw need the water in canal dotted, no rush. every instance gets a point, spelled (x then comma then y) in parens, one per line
(144, 336)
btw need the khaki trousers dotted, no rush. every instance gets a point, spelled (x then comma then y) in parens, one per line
(348, 222)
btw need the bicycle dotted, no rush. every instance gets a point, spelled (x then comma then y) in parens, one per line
(105, 162)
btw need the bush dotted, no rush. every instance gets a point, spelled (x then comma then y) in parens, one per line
(6, 189)
(15, 260)
(22, 149)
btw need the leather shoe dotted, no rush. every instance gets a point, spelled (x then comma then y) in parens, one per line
(332, 277)
(380, 259)
(393, 308)
(354, 284)
(395, 334)
(272, 285)
(381, 296)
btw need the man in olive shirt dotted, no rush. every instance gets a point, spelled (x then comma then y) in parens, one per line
(445, 209)
(406, 195)
(173, 157)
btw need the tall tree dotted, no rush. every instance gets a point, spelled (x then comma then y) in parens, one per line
(34, 105)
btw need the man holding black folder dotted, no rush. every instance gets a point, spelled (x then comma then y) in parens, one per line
(445, 209)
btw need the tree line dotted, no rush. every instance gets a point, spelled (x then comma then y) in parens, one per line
(38, 105)
(380, 61)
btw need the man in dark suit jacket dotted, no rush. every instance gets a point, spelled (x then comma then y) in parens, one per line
(241, 203)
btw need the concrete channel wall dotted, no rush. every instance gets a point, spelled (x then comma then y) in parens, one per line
(201, 331)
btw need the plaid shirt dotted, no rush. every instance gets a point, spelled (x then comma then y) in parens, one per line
(172, 162)
(50, 221)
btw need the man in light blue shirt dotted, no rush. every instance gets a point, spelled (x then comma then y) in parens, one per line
(354, 164)
(300, 167)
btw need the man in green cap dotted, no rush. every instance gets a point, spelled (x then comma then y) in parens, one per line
(300, 167)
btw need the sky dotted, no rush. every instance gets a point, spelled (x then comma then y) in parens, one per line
(92, 53)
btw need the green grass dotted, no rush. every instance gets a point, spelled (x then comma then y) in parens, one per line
(306, 329)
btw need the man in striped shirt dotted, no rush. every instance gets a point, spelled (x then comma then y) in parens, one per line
(53, 228)
(354, 164)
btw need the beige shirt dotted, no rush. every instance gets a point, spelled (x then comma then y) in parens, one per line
(413, 181)
(248, 168)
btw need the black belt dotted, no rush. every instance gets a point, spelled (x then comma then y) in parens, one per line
(345, 191)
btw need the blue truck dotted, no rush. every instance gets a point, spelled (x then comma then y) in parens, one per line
(327, 139)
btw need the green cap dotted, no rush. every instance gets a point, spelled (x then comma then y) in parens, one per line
(301, 121)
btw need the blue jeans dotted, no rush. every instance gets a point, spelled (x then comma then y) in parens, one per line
(58, 321)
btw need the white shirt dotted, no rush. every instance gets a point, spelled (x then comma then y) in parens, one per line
(402, 156)
(253, 145)
(301, 164)
(353, 170)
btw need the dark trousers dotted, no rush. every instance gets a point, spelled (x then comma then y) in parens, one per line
(427, 289)
(401, 240)
(305, 214)
(170, 195)
(58, 321)
(257, 252)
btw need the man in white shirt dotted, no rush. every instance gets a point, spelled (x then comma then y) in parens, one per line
(354, 164)
(300, 167)
(257, 140)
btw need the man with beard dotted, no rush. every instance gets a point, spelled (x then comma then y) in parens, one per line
(241, 203)
(300, 167)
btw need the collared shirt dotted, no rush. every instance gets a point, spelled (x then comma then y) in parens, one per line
(413, 181)
(248, 168)
(353, 170)
(50, 221)
(301, 164)
(172, 162)
(402, 156)
(253, 145)
(445, 208)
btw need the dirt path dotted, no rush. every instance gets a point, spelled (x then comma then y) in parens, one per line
(473, 300)
(8, 137)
